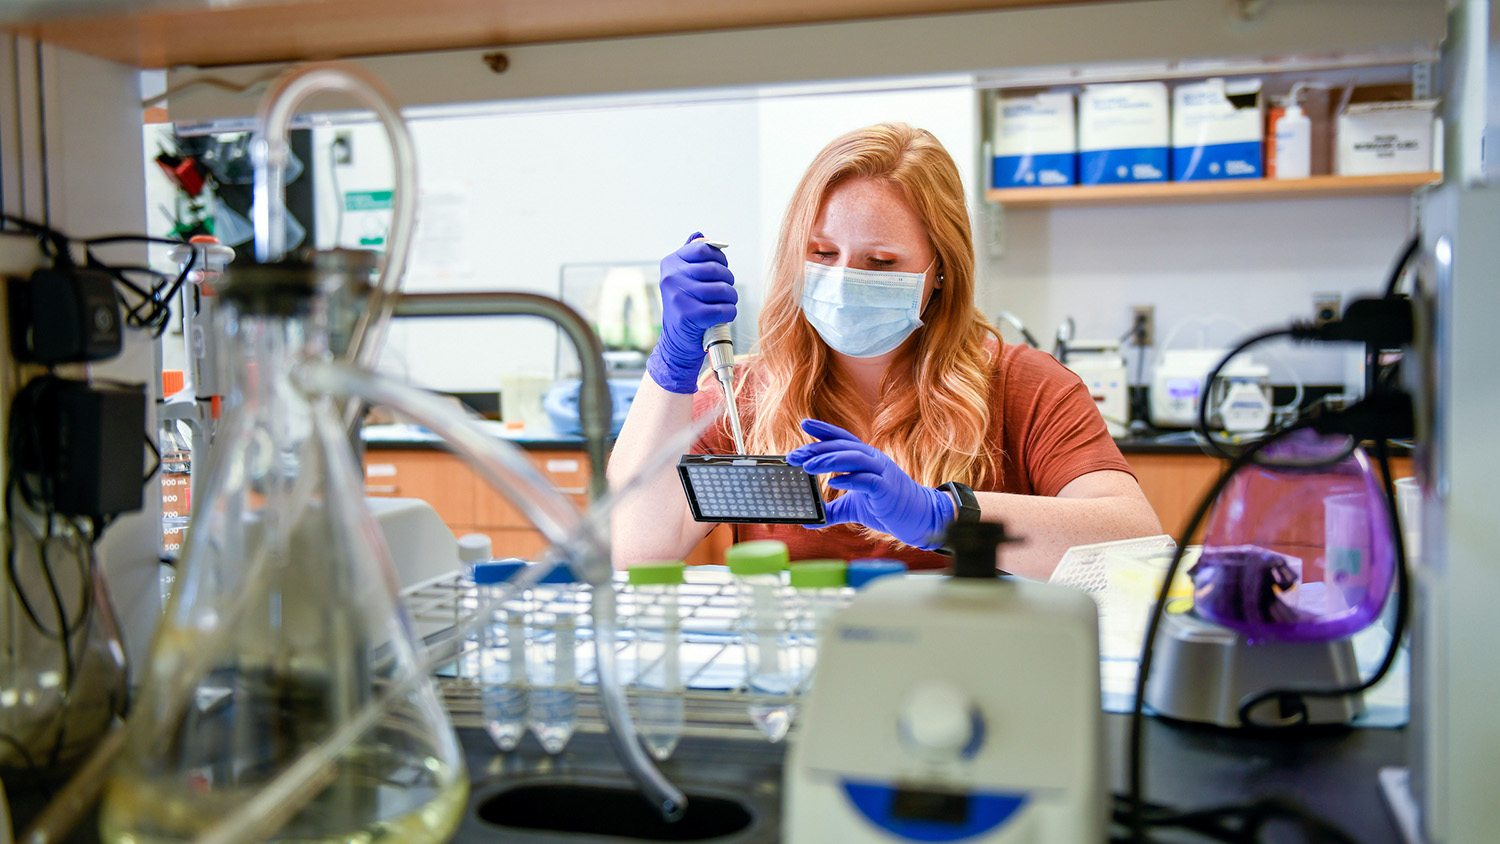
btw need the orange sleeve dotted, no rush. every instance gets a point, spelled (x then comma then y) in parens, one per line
(1052, 426)
(713, 440)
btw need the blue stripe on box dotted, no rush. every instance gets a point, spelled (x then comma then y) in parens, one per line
(1035, 171)
(1110, 166)
(1241, 160)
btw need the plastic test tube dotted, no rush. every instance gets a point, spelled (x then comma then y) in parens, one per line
(657, 675)
(757, 568)
(502, 654)
(819, 587)
(553, 646)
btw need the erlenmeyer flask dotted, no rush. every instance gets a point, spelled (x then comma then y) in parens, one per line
(62, 666)
(284, 623)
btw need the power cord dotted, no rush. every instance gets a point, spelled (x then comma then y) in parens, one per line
(152, 309)
(1137, 820)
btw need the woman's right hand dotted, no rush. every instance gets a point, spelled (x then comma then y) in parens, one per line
(697, 292)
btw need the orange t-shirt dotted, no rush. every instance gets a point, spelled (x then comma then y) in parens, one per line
(1052, 434)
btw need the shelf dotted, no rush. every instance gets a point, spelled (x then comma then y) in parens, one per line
(1224, 190)
(208, 33)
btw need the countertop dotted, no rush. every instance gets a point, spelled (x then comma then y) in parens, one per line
(397, 436)
(377, 437)
(1331, 773)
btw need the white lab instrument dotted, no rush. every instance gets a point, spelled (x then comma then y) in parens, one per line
(1241, 402)
(1297, 557)
(422, 546)
(1177, 383)
(923, 727)
(1102, 368)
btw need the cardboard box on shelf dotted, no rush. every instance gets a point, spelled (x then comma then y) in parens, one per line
(1123, 133)
(1217, 127)
(1035, 141)
(1387, 137)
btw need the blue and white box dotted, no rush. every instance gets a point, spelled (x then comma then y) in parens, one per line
(1036, 142)
(1123, 133)
(1217, 130)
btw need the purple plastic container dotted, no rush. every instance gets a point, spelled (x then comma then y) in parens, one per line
(1297, 552)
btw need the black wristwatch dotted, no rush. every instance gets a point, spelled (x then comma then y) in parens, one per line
(967, 509)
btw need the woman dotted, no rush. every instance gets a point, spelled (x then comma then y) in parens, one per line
(876, 372)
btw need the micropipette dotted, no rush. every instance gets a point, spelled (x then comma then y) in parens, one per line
(720, 349)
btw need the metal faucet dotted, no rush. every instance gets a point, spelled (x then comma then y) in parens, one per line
(594, 407)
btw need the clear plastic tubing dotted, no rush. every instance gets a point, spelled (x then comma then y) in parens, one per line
(656, 624)
(270, 151)
(505, 467)
(503, 689)
(758, 569)
(818, 592)
(553, 645)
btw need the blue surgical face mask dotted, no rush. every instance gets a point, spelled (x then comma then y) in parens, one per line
(861, 313)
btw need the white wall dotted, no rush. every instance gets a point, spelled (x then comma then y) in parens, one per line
(535, 191)
(1255, 263)
(507, 199)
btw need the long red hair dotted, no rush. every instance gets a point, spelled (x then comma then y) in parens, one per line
(934, 414)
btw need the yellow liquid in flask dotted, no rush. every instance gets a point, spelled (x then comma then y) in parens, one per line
(141, 812)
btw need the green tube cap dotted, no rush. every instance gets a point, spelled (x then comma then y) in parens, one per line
(664, 573)
(819, 574)
(760, 556)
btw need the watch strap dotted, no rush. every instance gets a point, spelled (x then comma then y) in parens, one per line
(968, 504)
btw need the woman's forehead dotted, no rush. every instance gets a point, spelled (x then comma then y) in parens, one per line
(868, 210)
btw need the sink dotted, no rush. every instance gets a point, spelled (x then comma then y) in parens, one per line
(584, 795)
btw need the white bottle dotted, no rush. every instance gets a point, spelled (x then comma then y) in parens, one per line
(1293, 143)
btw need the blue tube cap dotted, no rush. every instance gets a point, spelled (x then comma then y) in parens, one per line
(863, 571)
(560, 573)
(497, 571)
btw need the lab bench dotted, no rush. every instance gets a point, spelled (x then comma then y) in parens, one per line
(1332, 773)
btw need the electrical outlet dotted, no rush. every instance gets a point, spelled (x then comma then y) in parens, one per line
(343, 148)
(1325, 308)
(1143, 318)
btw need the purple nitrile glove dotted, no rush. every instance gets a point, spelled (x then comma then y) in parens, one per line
(697, 292)
(878, 494)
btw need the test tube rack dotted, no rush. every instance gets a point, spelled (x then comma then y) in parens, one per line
(716, 703)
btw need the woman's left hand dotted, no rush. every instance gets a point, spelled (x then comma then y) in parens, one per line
(878, 494)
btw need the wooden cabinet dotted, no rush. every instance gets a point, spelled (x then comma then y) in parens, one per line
(1176, 483)
(469, 505)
